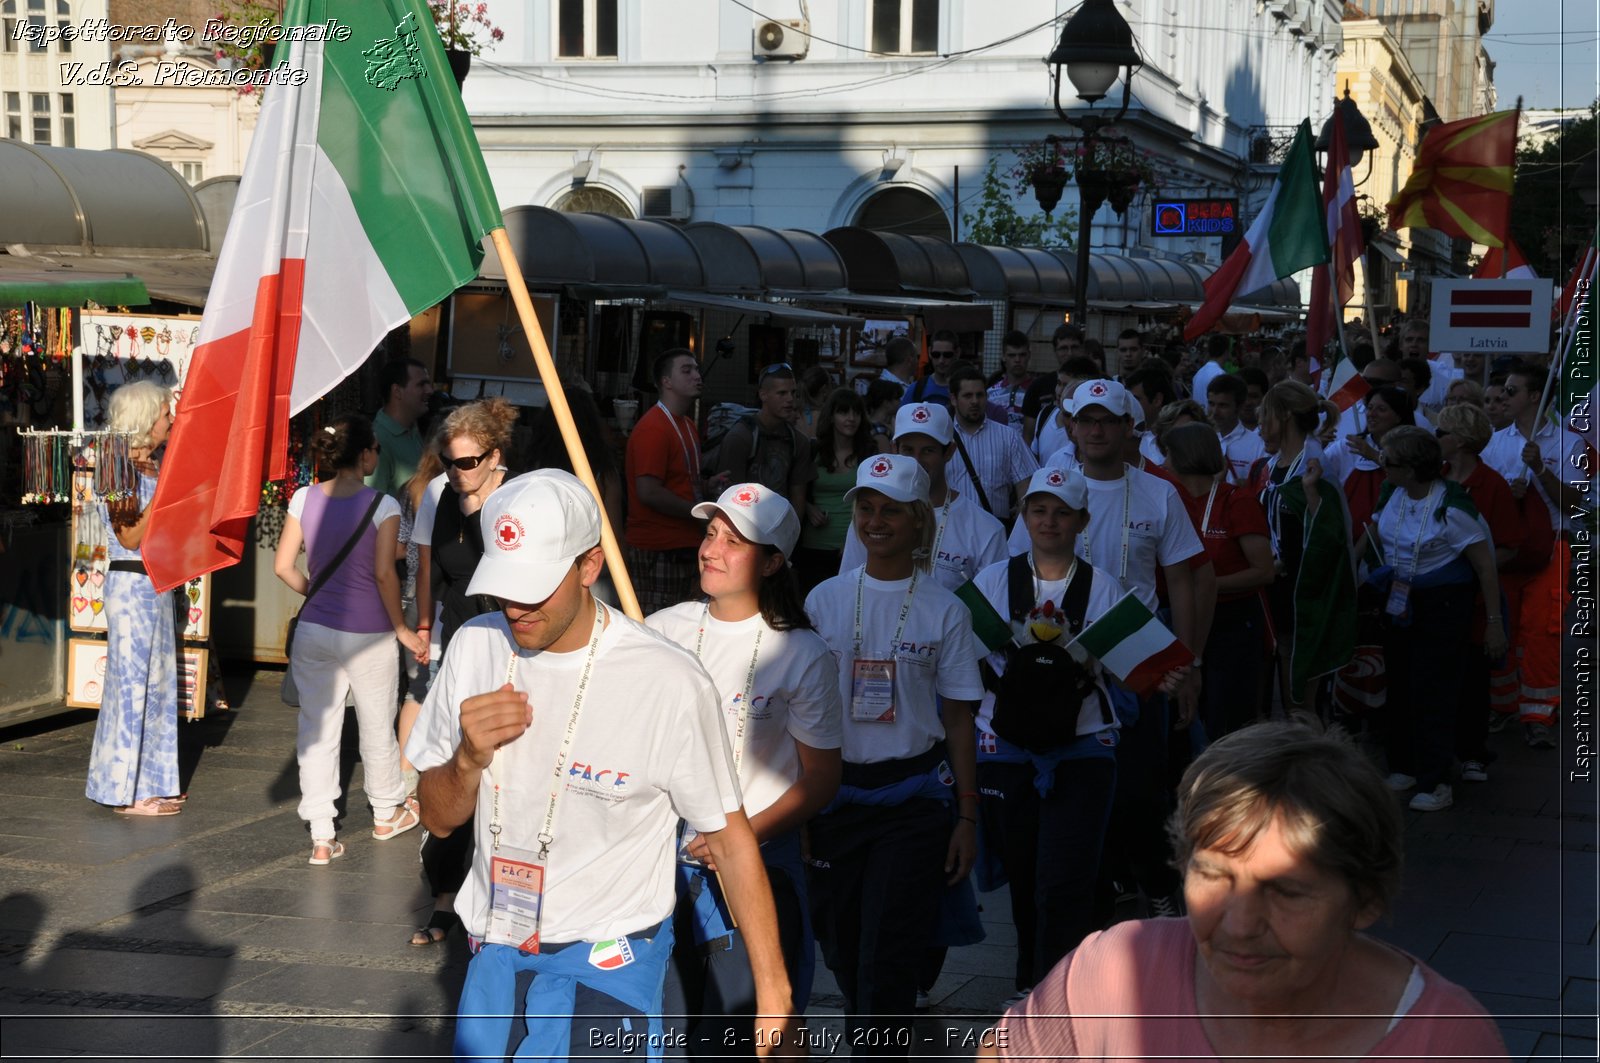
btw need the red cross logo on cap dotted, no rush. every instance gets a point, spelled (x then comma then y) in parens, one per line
(748, 496)
(1055, 479)
(508, 532)
(880, 468)
(919, 414)
(1097, 390)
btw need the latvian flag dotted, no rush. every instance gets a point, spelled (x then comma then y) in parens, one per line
(1131, 644)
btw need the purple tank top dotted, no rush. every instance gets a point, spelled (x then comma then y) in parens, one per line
(349, 600)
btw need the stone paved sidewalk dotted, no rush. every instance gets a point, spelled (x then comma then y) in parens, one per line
(207, 936)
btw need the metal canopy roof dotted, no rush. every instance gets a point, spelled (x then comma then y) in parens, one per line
(61, 288)
(898, 264)
(89, 200)
(616, 256)
(754, 258)
(778, 313)
(1020, 274)
(935, 313)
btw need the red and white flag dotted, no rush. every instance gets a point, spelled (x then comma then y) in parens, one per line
(1507, 262)
(1332, 285)
(364, 200)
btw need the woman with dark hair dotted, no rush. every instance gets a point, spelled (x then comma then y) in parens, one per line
(780, 690)
(816, 384)
(548, 450)
(844, 440)
(133, 763)
(344, 643)
(882, 400)
(1356, 460)
(1435, 552)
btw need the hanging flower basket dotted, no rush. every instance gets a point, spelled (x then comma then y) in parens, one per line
(1047, 188)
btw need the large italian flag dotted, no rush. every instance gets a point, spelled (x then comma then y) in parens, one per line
(1288, 235)
(364, 200)
(1133, 645)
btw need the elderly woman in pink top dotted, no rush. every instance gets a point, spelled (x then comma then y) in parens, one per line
(1289, 842)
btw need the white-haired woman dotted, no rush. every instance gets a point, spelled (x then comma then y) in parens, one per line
(133, 763)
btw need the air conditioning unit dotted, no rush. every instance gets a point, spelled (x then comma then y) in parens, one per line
(667, 203)
(788, 38)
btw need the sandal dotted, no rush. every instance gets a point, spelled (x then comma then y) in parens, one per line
(332, 846)
(151, 806)
(405, 817)
(438, 928)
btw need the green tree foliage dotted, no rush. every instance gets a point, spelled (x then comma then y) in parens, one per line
(998, 222)
(1548, 219)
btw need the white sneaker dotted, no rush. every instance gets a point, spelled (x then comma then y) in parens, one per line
(1538, 736)
(1474, 771)
(1400, 781)
(1439, 799)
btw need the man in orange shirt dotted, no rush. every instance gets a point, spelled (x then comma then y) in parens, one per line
(664, 483)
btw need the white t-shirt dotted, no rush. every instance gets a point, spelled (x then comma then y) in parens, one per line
(1203, 378)
(796, 693)
(427, 510)
(1150, 450)
(387, 506)
(1159, 530)
(649, 749)
(968, 540)
(1241, 448)
(937, 658)
(994, 582)
(1414, 542)
(1562, 453)
(1050, 435)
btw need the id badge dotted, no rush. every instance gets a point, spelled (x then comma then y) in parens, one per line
(1399, 598)
(516, 900)
(872, 692)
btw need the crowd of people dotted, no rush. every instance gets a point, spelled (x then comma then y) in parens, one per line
(652, 827)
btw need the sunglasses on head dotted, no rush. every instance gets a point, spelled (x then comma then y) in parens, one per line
(777, 367)
(468, 463)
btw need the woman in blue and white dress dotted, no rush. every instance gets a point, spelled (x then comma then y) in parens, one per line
(133, 764)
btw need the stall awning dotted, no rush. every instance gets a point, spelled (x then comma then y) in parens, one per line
(77, 198)
(1387, 252)
(753, 258)
(70, 289)
(614, 254)
(175, 278)
(897, 263)
(1025, 275)
(935, 313)
(778, 313)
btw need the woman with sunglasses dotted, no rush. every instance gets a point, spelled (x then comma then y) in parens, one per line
(780, 691)
(449, 537)
(885, 848)
(344, 643)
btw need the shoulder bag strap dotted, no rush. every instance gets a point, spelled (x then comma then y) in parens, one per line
(1019, 586)
(972, 474)
(344, 551)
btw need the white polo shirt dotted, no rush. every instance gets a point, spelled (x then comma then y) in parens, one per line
(649, 749)
(967, 540)
(1562, 453)
(1241, 448)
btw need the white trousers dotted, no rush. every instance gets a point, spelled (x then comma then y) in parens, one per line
(327, 665)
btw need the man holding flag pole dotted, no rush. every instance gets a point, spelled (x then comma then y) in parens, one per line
(365, 200)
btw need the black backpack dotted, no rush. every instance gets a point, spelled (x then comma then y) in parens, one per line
(1038, 699)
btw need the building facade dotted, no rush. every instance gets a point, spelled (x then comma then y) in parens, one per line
(53, 82)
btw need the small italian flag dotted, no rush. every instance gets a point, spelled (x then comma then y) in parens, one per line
(988, 626)
(1131, 644)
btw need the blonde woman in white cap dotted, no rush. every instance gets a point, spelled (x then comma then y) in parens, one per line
(882, 852)
(780, 704)
(573, 882)
(1047, 737)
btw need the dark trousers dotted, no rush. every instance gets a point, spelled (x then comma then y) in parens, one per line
(1472, 712)
(1051, 854)
(1423, 664)
(1136, 848)
(875, 876)
(1230, 680)
(445, 860)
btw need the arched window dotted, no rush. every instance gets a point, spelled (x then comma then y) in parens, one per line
(904, 210)
(588, 199)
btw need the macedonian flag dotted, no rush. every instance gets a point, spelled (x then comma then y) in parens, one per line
(1461, 183)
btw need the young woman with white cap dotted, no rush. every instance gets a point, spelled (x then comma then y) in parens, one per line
(779, 686)
(908, 679)
(1048, 771)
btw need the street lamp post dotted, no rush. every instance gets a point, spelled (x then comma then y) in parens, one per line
(1359, 142)
(1096, 46)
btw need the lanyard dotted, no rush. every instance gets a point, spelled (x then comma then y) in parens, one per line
(545, 835)
(1270, 497)
(1422, 527)
(1127, 507)
(691, 460)
(743, 699)
(1205, 519)
(938, 537)
(1038, 587)
(905, 611)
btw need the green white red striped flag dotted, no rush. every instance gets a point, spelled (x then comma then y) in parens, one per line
(1289, 234)
(364, 200)
(1131, 644)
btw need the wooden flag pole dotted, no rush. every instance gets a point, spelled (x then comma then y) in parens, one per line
(569, 428)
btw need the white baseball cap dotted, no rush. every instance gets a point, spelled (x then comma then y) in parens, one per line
(1107, 394)
(895, 475)
(534, 526)
(1066, 484)
(924, 418)
(761, 515)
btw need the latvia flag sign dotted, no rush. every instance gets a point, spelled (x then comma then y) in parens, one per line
(1498, 316)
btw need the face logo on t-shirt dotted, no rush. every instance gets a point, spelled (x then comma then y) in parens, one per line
(747, 496)
(508, 532)
(591, 780)
(880, 468)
